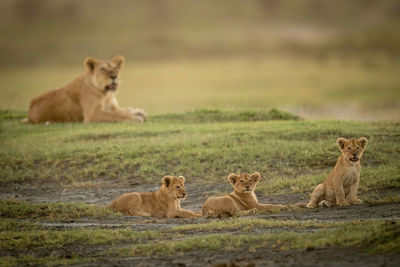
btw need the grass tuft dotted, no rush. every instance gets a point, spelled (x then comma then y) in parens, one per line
(52, 211)
(216, 115)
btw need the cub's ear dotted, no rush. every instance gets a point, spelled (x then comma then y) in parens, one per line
(182, 178)
(256, 176)
(232, 178)
(363, 141)
(167, 180)
(119, 61)
(341, 142)
(90, 63)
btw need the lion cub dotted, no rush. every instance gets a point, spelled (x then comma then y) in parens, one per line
(163, 203)
(341, 186)
(241, 201)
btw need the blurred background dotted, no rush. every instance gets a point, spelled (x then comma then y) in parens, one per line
(317, 58)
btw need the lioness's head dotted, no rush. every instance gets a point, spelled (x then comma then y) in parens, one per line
(352, 149)
(174, 186)
(244, 183)
(104, 74)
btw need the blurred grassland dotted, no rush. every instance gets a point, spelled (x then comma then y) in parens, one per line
(331, 59)
(351, 89)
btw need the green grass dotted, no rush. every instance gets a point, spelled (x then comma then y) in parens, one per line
(38, 239)
(216, 115)
(52, 211)
(205, 146)
(249, 225)
(43, 245)
(372, 236)
(291, 155)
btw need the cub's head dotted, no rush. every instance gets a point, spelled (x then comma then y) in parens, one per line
(244, 183)
(104, 74)
(352, 149)
(174, 186)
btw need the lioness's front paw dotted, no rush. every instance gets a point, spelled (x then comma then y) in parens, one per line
(356, 201)
(138, 112)
(342, 203)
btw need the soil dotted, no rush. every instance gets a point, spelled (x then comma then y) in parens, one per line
(102, 193)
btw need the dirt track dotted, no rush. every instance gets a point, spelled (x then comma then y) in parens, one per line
(330, 256)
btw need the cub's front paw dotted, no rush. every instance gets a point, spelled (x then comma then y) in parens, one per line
(325, 203)
(356, 201)
(197, 214)
(342, 203)
(253, 211)
(311, 205)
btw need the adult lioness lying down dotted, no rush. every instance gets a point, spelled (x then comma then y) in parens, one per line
(89, 98)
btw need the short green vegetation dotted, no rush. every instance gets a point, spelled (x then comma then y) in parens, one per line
(249, 225)
(52, 211)
(372, 236)
(291, 155)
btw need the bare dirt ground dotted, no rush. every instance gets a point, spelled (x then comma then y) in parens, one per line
(104, 192)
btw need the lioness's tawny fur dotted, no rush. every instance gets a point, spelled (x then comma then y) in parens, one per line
(241, 201)
(89, 98)
(341, 186)
(163, 203)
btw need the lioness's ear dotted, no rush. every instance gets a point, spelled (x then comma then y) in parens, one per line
(363, 141)
(256, 176)
(341, 142)
(182, 179)
(167, 180)
(90, 63)
(119, 61)
(232, 178)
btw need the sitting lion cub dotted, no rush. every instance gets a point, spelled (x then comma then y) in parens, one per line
(89, 98)
(241, 201)
(341, 186)
(163, 203)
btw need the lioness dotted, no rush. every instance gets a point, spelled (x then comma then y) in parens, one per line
(89, 98)
(241, 201)
(163, 203)
(341, 186)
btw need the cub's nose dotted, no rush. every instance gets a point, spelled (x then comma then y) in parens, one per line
(113, 77)
(247, 187)
(355, 155)
(184, 194)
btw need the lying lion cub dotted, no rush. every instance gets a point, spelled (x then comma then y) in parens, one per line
(89, 98)
(163, 203)
(341, 186)
(241, 201)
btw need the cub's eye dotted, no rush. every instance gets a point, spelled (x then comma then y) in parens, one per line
(103, 69)
(358, 147)
(349, 148)
(241, 181)
(178, 187)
